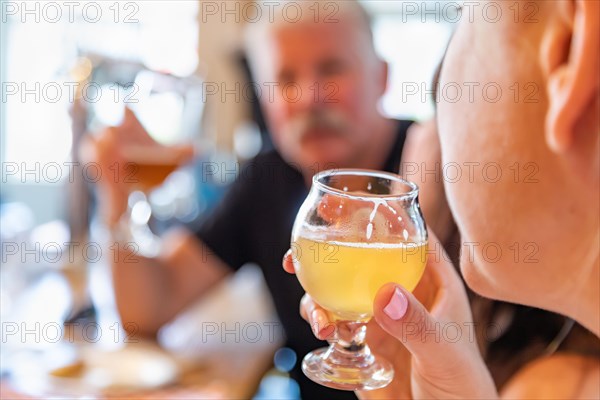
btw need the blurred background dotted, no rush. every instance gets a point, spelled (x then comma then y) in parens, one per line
(66, 72)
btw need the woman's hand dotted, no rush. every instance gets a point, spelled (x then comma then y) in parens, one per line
(429, 336)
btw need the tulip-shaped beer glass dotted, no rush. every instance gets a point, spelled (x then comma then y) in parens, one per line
(356, 231)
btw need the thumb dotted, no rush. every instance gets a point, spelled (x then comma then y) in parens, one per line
(399, 313)
(442, 366)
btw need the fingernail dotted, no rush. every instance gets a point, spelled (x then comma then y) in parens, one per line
(397, 306)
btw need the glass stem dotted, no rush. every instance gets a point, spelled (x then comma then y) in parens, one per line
(349, 346)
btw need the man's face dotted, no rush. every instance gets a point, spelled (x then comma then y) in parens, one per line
(514, 203)
(328, 84)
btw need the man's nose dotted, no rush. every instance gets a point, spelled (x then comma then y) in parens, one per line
(305, 94)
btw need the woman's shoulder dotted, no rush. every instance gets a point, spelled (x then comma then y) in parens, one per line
(559, 376)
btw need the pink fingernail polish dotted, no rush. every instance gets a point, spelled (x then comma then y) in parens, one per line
(397, 306)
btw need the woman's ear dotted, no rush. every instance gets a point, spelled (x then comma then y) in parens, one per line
(571, 61)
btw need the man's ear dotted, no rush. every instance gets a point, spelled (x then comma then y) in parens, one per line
(571, 61)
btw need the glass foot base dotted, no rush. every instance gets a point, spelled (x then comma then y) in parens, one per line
(319, 367)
